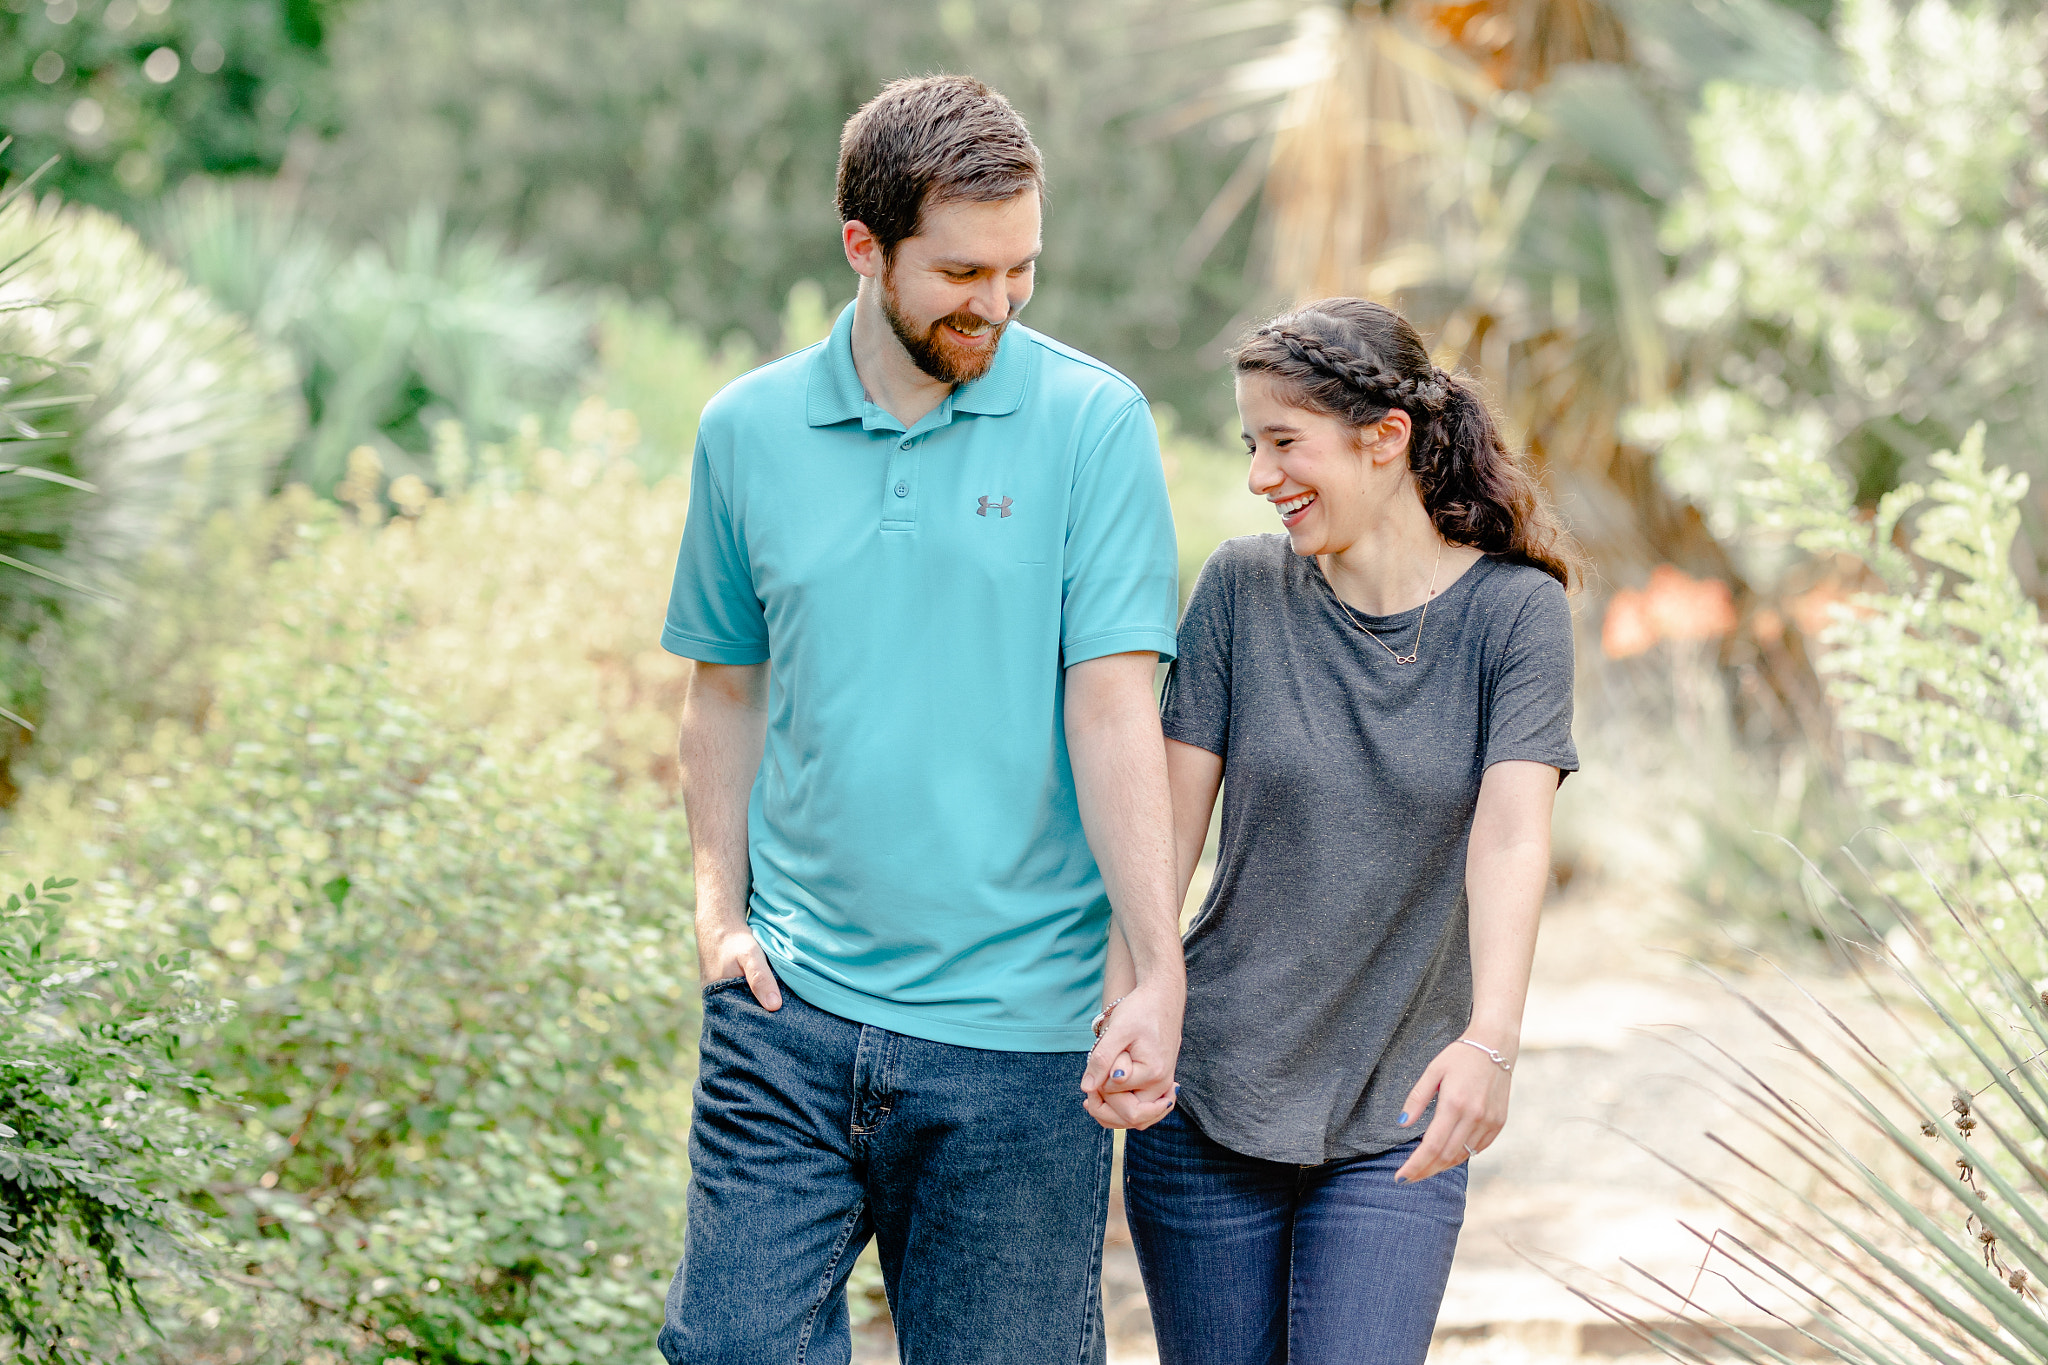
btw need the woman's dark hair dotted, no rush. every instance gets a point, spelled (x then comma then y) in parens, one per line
(1356, 360)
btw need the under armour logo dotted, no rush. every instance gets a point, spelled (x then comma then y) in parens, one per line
(1002, 507)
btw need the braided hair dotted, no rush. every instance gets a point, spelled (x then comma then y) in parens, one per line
(1356, 360)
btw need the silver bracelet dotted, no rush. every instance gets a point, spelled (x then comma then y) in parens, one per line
(1503, 1063)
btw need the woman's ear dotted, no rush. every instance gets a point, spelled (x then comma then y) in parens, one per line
(1387, 439)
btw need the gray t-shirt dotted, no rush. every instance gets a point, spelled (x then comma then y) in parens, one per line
(1330, 962)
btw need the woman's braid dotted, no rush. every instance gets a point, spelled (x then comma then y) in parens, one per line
(1424, 394)
(1353, 359)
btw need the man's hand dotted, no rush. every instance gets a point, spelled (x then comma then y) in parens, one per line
(726, 953)
(1119, 758)
(1129, 1081)
(1471, 1108)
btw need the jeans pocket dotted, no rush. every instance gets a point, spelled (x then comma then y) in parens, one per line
(724, 983)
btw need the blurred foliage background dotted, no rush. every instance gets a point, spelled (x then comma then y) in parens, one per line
(351, 352)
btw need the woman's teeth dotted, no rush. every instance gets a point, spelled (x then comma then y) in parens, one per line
(1293, 505)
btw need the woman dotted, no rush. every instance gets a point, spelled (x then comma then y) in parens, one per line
(1384, 695)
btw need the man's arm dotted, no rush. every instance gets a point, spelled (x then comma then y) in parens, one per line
(1119, 759)
(725, 722)
(1193, 777)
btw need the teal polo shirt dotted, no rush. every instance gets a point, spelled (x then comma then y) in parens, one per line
(917, 854)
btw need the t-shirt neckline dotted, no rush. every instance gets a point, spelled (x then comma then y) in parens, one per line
(1471, 573)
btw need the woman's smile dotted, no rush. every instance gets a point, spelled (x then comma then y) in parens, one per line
(1292, 509)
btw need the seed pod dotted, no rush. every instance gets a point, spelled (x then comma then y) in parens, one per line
(1961, 1102)
(1927, 1128)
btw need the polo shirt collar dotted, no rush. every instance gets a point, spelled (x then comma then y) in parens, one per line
(836, 395)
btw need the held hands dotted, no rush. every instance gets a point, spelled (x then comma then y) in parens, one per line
(726, 953)
(1471, 1093)
(1129, 1081)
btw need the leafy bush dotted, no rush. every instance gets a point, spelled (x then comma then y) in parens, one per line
(1942, 667)
(1865, 263)
(102, 1130)
(405, 805)
(84, 80)
(393, 337)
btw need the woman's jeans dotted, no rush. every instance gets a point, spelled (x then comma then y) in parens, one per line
(1251, 1262)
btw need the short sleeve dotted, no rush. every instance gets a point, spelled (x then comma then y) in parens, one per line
(1530, 700)
(1195, 708)
(714, 614)
(1121, 578)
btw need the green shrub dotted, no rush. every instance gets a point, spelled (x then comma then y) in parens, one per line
(82, 80)
(1940, 669)
(1864, 259)
(103, 1127)
(395, 792)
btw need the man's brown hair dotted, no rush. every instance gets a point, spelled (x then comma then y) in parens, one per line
(931, 140)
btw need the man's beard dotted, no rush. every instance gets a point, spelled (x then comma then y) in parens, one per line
(937, 357)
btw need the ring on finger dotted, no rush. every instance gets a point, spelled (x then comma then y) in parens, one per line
(1470, 1150)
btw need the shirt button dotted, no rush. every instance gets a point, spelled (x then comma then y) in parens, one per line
(902, 490)
(906, 445)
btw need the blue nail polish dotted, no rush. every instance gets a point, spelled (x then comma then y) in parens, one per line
(1116, 1075)
(1176, 1087)
(1404, 1118)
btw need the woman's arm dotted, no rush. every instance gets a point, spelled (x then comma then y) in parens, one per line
(1193, 777)
(1507, 869)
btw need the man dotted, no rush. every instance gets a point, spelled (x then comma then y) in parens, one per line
(927, 572)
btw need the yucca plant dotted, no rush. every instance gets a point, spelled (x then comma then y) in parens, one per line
(391, 338)
(135, 403)
(39, 490)
(1916, 1234)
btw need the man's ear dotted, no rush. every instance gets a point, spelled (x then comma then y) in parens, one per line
(863, 251)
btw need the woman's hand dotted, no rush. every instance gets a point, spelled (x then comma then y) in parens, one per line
(1471, 1093)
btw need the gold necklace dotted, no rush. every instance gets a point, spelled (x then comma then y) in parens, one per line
(1412, 654)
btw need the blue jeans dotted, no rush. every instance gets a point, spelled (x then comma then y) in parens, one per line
(978, 1173)
(1251, 1262)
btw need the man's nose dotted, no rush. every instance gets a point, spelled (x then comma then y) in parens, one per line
(992, 301)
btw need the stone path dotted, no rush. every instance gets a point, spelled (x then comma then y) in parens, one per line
(1567, 1183)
